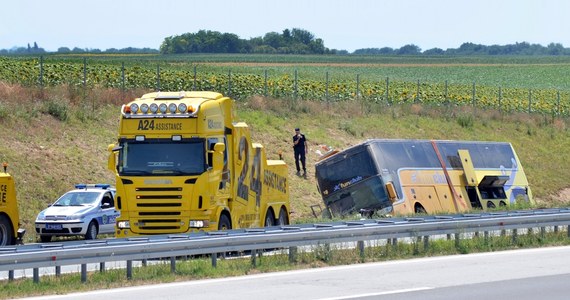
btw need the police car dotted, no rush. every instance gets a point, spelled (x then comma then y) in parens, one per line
(86, 211)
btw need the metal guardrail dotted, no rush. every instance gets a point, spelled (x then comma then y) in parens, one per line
(37, 256)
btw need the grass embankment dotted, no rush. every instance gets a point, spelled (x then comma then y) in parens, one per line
(57, 137)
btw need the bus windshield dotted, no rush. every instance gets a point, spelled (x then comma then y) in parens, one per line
(161, 158)
(340, 172)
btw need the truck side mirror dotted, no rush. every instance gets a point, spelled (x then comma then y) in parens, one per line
(111, 163)
(218, 156)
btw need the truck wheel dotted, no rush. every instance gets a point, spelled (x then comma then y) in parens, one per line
(91, 233)
(269, 218)
(45, 238)
(224, 223)
(6, 232)
(283, 218)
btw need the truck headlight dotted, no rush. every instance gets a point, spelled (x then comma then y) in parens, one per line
(124, 224)
(197, 224)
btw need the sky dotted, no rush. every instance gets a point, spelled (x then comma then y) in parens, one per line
(343, 25)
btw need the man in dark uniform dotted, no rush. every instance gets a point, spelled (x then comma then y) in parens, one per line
(300, 148)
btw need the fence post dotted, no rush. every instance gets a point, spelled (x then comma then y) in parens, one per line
(473, 94)
(418, 92)
(387, 90)
(194, 82)
(158, 78)
(123, 78)
(529, 100)
(84, 73)
(500, 98)
(229, 83)
(295, 86)
(357, 86)
(558, 103)
(327, 87)
(445, 93)
(265, 83)
(41, 79)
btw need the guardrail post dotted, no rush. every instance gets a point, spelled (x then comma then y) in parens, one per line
(57, 271)
(144, 262)
(457, 239)
(568, 230)
(360, 245)
(129, 269)
(556, 229)
(542, 232)
(417, 245)
(83, 273)
(293, 254)
(486, 234)
(254, 258)
(394, 243)
(514, 235)
(426, 243)
(214, 260)
(11, 275)
(36, 275)
(172, 264)
(102, 267)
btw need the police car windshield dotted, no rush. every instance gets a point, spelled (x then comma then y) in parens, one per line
(162, 158)
(77, 199)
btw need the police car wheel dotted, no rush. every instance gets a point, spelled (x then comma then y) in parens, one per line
(91, 233)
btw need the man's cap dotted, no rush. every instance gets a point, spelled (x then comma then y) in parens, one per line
(296, 129)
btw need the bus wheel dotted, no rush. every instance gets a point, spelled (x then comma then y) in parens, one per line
(490, 204)
(6, 232)
(419, 209)
(224, 223)
(269, 218)
(502, 204)
(283, 218)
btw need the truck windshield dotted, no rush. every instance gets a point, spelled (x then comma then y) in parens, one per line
(162, 158)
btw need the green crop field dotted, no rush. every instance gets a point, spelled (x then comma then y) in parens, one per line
(523, 84)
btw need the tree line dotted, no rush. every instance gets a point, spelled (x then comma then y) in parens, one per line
(295, 41)
(523, 48)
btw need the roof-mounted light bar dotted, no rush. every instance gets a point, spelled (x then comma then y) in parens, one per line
(162, 110)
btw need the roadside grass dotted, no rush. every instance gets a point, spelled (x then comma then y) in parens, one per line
(50, 150)
(323, 255)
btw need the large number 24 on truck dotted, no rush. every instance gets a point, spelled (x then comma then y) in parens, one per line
(182, 165)
(9, 216)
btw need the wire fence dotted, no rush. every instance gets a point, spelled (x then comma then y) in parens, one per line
(43, 73)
